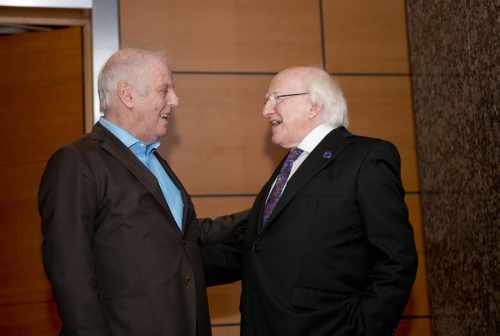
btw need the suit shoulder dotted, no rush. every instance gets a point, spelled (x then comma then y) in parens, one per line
(373, 144)
(369, 141)
(75, 152)
(85, 143)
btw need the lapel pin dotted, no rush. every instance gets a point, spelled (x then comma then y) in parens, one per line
(327, 155)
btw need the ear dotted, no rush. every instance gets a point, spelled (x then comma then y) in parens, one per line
(125, 94)
(314, 110)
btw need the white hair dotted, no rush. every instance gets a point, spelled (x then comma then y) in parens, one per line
(325, 90)
(124, 65)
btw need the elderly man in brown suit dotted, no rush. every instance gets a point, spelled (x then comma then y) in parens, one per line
(121, 240)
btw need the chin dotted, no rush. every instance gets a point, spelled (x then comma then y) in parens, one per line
(280, 143)
(275, 141)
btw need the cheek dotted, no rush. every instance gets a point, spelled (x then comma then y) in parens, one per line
(159, 105)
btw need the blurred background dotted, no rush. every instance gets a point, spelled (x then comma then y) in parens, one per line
(423, 75)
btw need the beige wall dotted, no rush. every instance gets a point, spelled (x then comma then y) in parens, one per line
(224, 53)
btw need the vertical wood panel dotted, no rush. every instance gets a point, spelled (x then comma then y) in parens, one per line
(223, 300)
(414, 327)
(218, 206)
(41, 92)
(41, 89)
(35, 319)
(22, 276)
(224, 303)
(366, 36)
(226, 331)
(219, 142)
(225, 35)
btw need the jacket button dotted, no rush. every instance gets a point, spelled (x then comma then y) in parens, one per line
(187, 280)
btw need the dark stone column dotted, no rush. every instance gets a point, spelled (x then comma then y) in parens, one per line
(455, 60)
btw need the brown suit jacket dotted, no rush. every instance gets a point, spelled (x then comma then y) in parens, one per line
(117, 261)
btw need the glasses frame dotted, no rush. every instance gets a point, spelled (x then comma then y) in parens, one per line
(277, 99)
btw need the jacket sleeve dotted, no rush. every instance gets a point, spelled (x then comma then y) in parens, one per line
(390, 236)
(224, 228)
(221, 251)
(67, 205)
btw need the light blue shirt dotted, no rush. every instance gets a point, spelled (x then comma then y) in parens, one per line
(144, 152)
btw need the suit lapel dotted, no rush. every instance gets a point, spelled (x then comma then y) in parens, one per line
(116, 148)
(179, 185)
(323, 155)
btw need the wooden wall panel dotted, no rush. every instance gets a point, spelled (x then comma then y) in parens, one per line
(43, 97)
(20, 181)
(224, 302)
(365, 36)
(414, 327)
(22, 277)
(218, 206)
(218, 129)
(219, 142)
(226, 331)
(36, 319)
(418, 304)
(41, 89)
(381, 107)
(226, 35)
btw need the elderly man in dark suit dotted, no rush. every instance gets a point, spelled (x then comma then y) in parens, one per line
(120, 235)
(329, 250)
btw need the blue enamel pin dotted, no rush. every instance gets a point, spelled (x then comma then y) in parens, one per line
(327, 155)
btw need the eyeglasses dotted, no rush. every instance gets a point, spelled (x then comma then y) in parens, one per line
(274, 99)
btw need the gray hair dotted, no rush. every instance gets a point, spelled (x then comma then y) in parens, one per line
(124, 65)
(325, 90)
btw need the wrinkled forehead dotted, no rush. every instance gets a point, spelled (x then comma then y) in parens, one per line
(159, 72)
(287, 82)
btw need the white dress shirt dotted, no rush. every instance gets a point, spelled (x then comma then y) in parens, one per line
(310, 141)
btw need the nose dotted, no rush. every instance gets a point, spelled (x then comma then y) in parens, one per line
(173, 99)
(267, 109)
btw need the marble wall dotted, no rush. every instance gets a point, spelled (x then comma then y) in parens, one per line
(455, 65)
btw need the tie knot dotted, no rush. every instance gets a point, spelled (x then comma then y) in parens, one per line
(294, 153)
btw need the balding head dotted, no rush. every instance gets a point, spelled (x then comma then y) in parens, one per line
(129, 65)
(323, 90)
(298, 100)
(137, 93)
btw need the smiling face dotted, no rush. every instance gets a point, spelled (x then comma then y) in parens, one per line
(154, 106)
(146, 99)
(291, 117)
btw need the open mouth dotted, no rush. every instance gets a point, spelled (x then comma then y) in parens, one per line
(275, 123)
(164, 115)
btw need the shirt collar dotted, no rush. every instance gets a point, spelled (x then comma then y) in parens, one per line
(126, 138)
(314, 137)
